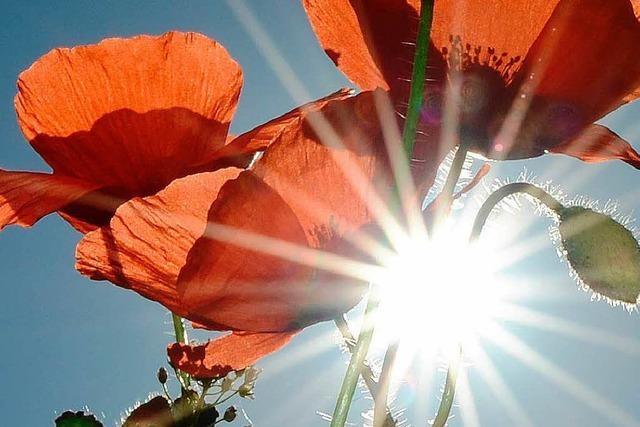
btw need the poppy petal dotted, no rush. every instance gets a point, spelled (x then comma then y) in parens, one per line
(318, 181)
(584, 56)
(331, 168)
(261, 137)
(132, 114)
(223, 355)
(489, 32)
(597, 144)
(147, 241)
(371, 41)
(232, 276)
(25, 197)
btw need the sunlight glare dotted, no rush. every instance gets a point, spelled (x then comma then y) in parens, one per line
(438, 293)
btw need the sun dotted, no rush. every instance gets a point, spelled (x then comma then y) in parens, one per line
(438, 293)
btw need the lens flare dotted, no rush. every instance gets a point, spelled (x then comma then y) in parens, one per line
(438, 293)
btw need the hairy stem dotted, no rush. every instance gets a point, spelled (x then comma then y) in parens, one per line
(416, 97)
(449, 391)
(350, 342)
(380, 411)
(445, 198)
(355, 364)
(518, 187)
(366, 373)
(496, 197)
(181, 337)
(418, 76)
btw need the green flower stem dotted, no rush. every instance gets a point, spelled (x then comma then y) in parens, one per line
(181, 337)
(354, 370)
(487, 207)
(380, 412)
(367, 373)
(418, 76)
(449, 391)
(416, 100)
(178, 328)
(350, 342)
(416, 97)
(445, 199)
(496, 197)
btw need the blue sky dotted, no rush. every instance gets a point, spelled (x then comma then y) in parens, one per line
(68, 342)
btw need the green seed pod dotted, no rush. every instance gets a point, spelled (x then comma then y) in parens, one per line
(603, 253)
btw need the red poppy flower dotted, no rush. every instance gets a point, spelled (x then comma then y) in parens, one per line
(529, 77)
(239, 259)
(120, 119)
(239, 254)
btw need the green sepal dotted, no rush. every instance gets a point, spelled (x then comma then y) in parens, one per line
(77, 419)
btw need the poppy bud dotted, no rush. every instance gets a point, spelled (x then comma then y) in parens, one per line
(162, 375)
(603, 253)
(230, 414)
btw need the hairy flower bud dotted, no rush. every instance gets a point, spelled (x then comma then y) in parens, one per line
(603, 253)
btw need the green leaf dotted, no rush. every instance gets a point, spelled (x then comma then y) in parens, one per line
(77, 419)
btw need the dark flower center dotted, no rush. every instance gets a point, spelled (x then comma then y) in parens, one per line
(485, 93)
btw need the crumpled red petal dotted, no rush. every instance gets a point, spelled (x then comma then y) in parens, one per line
(505, 29)
(262, 136)
(598, 144)
(324, 176)
(25, 197)
(147, 241)
(331, 168)
(130, 114)
(371, 41)
(220, 356)
(232, 277)
(586, 56)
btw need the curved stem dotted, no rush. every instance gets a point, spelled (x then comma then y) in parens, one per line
(487, 207)
(496, 197)
(518, 187)
(380, 412)
(355, 364)
(449, 391)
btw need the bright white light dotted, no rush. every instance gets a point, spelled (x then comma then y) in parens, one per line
(437, 294)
